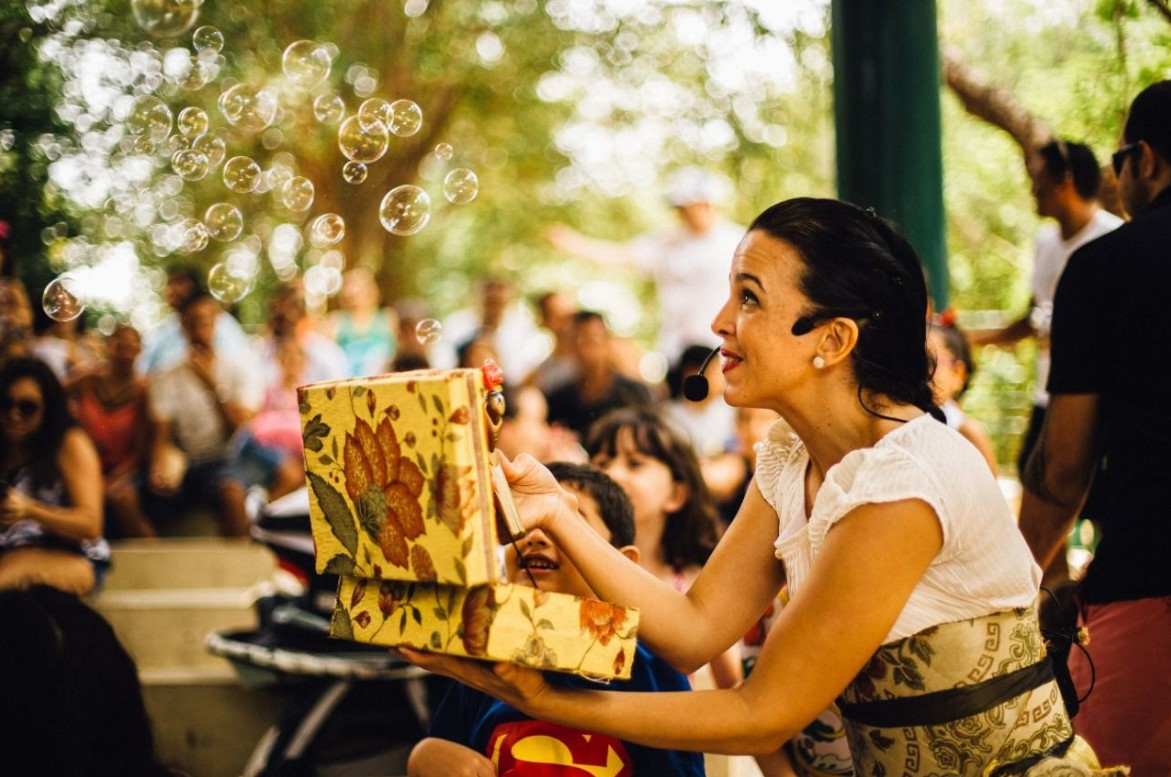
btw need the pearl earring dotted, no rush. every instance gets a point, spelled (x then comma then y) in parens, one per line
(818, 363)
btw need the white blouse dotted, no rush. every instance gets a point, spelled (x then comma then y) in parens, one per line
(984, 565)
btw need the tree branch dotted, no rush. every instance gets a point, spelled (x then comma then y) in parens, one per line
(993, 105)
(1162, 7)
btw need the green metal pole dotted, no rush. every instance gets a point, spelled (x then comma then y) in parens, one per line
(887, 117)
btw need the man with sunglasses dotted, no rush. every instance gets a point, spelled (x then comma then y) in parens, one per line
(1105, 451)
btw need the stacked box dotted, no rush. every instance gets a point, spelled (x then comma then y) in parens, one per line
(402, 507)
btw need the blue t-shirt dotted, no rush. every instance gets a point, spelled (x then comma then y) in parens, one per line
(523, 747)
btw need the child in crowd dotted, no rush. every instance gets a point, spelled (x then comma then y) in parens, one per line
(953, 374)
(674, 513)
(472, 733)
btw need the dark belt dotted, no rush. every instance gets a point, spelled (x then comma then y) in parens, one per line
(940, 707)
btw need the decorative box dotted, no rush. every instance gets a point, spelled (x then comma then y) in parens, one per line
(401, 506)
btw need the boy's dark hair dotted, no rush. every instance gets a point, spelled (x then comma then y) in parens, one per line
(1064, 157)
(613, 504)
(193, 299)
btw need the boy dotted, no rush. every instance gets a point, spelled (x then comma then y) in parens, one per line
(474, 734)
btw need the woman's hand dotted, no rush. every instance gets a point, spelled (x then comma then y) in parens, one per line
(13, 507)
(538, 497)
(512, 684)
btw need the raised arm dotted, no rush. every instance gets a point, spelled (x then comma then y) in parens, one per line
(686, 630)
(604, 252)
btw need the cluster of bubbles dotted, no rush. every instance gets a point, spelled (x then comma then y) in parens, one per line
(195, 145)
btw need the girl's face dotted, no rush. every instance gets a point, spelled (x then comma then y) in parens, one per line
(950, 372)
(646, 480)
(762, 358)
(21, 410)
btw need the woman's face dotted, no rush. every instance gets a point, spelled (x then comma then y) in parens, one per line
(761, 357)
(22, 409)
(646, 480)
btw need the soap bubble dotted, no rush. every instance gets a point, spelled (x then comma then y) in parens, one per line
(329, 108)
(241, 174)
(248, 108)
(213, 147)
(149, 118)
(63, 298)
(374, 109)
(354, 172)
(297, 193)
(362, 142)
(326, 230)
(306, 62)
(461, 186)
(228, 285)
(191, 122)
(223, 221)
(192, 236)
(428, 331)
(189, 164)
(405, 118)
(198, 76)
(165, 18)
(443, 151)
(405, 210)
(207, 38)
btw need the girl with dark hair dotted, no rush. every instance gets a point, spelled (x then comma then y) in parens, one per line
(954, 365)
(911, 590)
(51, 508)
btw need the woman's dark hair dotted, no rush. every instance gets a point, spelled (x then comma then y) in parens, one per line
(690, 534)
(859, 265)
(69, 692)
(45, 443)
(957, 344)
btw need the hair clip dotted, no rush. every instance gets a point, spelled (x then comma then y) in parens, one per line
(897, 280)
(870, 209)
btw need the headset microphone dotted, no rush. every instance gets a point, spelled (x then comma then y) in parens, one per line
(802, 326)
(695, 386)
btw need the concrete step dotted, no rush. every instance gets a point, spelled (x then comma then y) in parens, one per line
(187, 562)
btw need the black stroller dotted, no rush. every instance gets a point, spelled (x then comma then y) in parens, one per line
(352, 710)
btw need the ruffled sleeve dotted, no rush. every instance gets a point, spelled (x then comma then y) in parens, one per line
(773, 454)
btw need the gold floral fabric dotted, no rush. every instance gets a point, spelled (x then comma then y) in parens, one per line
(1007, 739)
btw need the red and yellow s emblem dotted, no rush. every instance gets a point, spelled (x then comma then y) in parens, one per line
(533, 748)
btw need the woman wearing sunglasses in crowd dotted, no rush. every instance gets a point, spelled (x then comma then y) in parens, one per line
(911, 591)
(51, 506)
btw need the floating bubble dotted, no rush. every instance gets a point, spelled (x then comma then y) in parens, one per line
(443, 151)
(306, 62)
(326, 230)
(297, 193)
(191, 121)
(192, 236)
(405, 210)
(428, 331)
(63, 299)
(207, 38)
(198, 76)
(228, 285)
(329, 108)
(213, 147)
(189, 164)
(223, 221)
(165, 18)
(461, 186)
(405, 118)
(362, 142)
(248, 108)
(241, 174)
(354, 172)
(149, 118)
(374, 109)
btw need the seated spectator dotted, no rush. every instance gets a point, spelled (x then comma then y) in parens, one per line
(65, 346)
(708, 422)
(560, 366)
(16, 313)
(366, 332)
(110, 405)
(525, 429)
(498, 310)
(51, 505)
(411, 348)
(472, 733)
(953, 374)
(70, 697)
(728, 475)
(599, 386)
(197, 406)
(166, 344)
(477, 349)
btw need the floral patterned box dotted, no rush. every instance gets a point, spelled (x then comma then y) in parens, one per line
(502, 622)
(398, 473)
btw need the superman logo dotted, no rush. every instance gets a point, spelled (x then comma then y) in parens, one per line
(534, 748)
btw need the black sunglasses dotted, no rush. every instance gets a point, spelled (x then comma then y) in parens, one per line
(1118, 158)
(27, 408)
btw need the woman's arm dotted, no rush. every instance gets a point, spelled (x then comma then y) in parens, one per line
(732, 590)
(867, 568)
(81, 473)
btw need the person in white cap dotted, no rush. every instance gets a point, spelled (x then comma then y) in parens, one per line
(685, 262)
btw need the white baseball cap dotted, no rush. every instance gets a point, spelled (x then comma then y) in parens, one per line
(689, 185)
